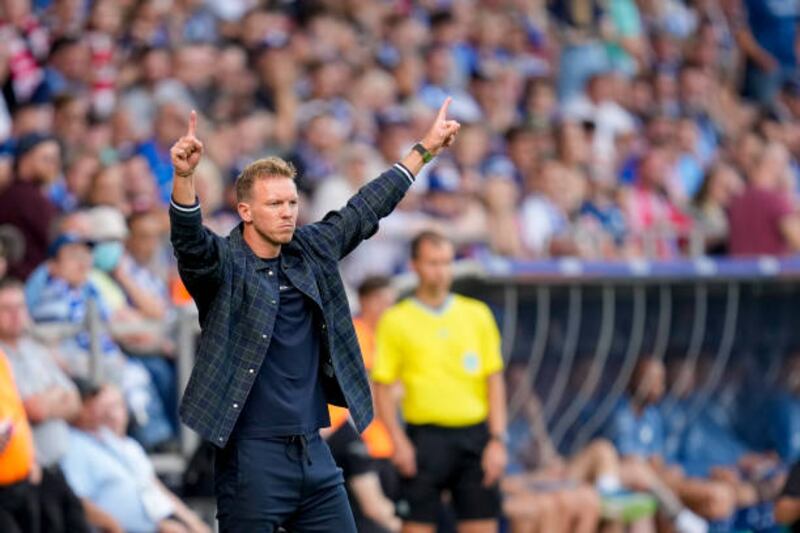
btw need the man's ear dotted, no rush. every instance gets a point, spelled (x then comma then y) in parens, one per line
(244, 212)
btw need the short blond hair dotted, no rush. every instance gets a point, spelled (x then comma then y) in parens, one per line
(267, 167)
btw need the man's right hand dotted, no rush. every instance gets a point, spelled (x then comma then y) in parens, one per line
(186, 152)
(405, 457)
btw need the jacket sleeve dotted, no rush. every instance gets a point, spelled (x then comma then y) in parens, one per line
(339, 232)
(199, 251)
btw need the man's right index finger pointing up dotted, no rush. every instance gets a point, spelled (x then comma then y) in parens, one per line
(192, 124)
(442, 115)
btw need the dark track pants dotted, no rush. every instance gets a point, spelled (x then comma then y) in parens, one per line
(289, 482)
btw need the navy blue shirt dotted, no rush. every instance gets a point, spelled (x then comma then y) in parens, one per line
(774, 26)
(287, 396)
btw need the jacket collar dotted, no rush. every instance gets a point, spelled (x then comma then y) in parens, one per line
(289, 255)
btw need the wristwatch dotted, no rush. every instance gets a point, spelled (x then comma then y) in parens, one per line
(421, 150)
(500, 437)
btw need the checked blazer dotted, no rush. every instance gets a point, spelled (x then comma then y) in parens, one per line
(237, 306)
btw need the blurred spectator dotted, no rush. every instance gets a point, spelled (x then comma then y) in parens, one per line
(763, 221)
(783, 403)
(787, 508)
(19, 504)
(318, 151)
(50, 400)
(114, 473)
(583, 52)
(501, 195)
(547, 214)
(12, 246)
(710, 207)
(108, 188)
(766, 33)
(28, 44)
(24, 203)
(609, 119)
(49, 395)
(656, 223)
(61, 292)
(636, 427)
(168, 127)
(451, 204)
(137, 271)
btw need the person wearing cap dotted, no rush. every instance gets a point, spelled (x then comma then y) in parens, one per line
(24, 204)
(63, 294)
(449, 204)
(277, 342)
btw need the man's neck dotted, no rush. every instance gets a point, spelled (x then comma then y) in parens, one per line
(262, 248)
(432, 299)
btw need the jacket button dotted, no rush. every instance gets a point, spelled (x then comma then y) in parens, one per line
(220, 439)
(324, 326)
(235, 405)
(251, 371)
(273, 302)
(264, 336)
(269, 272)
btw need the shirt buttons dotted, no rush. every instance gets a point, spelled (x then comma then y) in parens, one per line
(264, 336)
(274, 302)
(269, 272)
(324, 326)
(220, 439)
(235, 405)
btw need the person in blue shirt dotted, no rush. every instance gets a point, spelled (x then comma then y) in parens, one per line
(782, 431)
(637, 429)
(113, 472)
(766, 31)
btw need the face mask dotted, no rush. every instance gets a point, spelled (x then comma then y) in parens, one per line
(107, 255)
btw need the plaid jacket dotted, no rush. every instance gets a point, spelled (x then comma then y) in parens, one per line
(237, 306)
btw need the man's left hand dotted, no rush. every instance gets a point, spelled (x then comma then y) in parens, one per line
(493, 462)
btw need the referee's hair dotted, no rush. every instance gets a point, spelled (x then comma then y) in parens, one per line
(429, 235)
(372, 284)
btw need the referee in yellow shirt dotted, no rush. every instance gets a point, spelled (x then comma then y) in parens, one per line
(445, 350)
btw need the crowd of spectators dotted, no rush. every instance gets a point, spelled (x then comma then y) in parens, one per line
(600, 129)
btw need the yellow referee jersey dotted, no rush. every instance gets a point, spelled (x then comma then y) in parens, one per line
(442, 357)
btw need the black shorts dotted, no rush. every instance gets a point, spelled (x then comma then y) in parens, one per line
(449, 459)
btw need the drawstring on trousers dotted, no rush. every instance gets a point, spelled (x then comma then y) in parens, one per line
(302, 442)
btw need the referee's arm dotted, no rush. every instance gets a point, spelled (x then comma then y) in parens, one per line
(387, 405)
